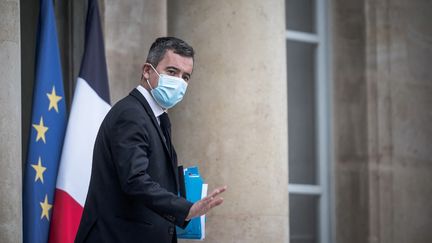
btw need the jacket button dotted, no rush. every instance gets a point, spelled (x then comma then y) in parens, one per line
(171, 230)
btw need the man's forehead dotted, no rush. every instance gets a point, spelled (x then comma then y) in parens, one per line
(173, 59)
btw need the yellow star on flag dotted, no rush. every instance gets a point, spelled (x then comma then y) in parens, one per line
(41, 130)
(45, 208)
(39, 170)
(54, 99)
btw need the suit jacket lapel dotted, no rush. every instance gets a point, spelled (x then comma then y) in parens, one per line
(135, 93)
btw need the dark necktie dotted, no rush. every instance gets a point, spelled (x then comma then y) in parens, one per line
(165, 125)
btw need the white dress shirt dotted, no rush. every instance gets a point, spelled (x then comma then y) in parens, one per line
(156, 108)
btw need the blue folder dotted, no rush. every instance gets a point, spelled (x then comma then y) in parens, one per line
(195, 190)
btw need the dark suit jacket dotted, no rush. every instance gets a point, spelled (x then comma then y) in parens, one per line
(133, 187)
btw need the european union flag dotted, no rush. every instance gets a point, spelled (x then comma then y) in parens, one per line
(47, 131)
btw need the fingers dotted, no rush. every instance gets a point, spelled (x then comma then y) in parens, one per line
(215, 202)
(207, 203)
(218, 191)
(206, 200)
(204, 206)
(212, 200)
(213, 195)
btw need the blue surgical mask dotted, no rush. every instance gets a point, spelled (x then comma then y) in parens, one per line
(169, 91)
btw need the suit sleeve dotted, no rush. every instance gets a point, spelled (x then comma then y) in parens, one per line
(129, 143)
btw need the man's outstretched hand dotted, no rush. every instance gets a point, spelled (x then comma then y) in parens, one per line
(204, 205)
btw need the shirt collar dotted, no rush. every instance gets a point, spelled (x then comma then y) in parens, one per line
(156, 108)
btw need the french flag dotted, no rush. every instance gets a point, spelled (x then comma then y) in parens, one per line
(90, 104)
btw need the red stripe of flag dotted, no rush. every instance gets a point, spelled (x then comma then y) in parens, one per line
(67, 215)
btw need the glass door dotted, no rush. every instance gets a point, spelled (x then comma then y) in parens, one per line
(308, 130)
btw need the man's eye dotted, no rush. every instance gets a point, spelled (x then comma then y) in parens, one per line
(171, 72)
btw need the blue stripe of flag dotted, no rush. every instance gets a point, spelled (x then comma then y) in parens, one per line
(93, 66)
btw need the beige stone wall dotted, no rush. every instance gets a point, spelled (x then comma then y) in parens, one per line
(233, 120)
(399, 53)
(383, 111)
(130, 29)
(350, 122)
(10, 122)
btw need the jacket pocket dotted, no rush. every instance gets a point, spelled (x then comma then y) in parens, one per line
(133, 221)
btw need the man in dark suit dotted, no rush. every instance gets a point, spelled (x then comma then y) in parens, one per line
(133, 192)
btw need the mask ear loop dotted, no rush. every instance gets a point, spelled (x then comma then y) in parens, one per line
(153, 68)
(149, 84)
(156, 73)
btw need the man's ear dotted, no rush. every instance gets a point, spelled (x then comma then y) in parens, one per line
(146, 71)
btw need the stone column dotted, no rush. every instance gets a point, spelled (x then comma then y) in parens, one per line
(10, 123)
(233, 120)
(350, 122)
(399, 56)
(130, 29)
(382, 119)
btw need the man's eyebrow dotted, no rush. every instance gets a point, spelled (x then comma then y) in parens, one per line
(177, 70)
(172, 67)
(188, 74)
